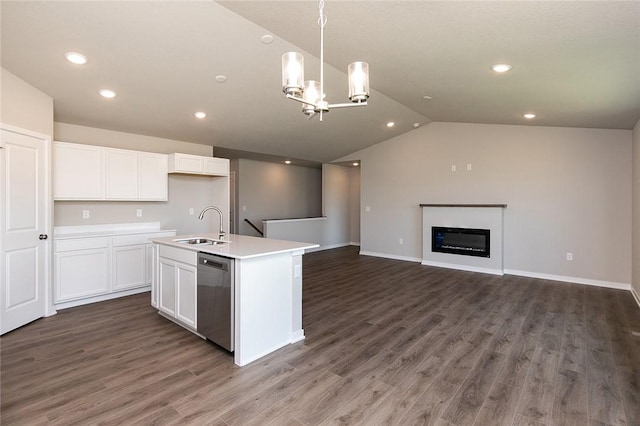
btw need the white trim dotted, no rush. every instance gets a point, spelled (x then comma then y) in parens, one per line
(390, 256)
(635, 296)
(244, 361)
(304, 219)
(575, 280)
(355, 243)
(102, 298)
(463, 267)
(327, 247)
(297, 336)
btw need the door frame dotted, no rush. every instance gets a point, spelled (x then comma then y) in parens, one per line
(48, 208)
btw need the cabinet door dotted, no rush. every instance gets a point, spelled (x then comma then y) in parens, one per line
(185, 163)
(152, 176)
(167, 287)
(77, 172)
(129, 267)
(82, 273)
(122, 174)
(186, 306)
(216, 166)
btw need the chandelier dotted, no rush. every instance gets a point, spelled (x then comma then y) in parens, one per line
(311, 93)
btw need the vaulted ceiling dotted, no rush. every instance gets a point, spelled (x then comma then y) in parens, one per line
(575, 64)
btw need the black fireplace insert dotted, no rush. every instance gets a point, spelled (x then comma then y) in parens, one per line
(464, 241)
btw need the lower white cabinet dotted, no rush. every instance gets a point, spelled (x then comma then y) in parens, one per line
(90, 269)
(82, 269)
(176, 286)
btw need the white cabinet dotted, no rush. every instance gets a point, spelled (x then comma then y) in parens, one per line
(89, 269)
(85, 172)
(198, 165)
(153, 172)
(77, 172)
(82, 268)
(177, 280)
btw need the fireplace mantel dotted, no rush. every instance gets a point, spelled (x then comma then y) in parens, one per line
(501, 206)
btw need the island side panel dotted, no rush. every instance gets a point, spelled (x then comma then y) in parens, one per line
(263, 306)
(297, 333)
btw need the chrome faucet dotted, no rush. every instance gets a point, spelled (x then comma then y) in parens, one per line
(201, 216)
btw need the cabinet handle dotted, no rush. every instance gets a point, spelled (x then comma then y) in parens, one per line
(43, 236)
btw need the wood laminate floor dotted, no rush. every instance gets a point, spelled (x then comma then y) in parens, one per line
(388, 342)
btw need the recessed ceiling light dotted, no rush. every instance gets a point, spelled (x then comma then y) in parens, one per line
(529, 116)
(391, 124)
(287, 162)
(267, 39)
(426, 98)
(200, 114)
(501, 67)
(221, 78)
(76, 58)
(107, 93)
(356, 164)
(416, 125)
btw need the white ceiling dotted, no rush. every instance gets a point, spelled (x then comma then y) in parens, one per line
(575, 64)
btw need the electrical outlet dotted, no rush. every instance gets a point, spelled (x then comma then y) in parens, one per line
(244, 208)
(569, 256)
(400, 241)
(367, 209)
(85, 214)
(191, 211)
(139, 212)
(469, 167)
(454, 168)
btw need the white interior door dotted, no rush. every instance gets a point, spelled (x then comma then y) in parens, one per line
(24, 220)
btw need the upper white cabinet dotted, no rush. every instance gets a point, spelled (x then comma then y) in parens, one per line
(198, 165)
(77, 172)
(86, 172)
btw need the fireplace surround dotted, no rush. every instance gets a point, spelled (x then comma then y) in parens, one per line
(480, 217)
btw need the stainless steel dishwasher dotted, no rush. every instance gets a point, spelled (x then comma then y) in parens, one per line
(215, 299)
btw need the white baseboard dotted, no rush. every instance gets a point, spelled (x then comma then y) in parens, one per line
(463, 267)
(575, 280)
(327, 247)
(390, 256)
(297, 336)
(355, 243)
(635, 296)
(102, 298)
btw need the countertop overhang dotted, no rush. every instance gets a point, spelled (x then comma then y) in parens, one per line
(238, 246)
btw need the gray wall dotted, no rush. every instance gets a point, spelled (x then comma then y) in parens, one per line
(275, 191)
(185, 191)
(354, 205)
(636, 208)
(567, 190)
(24, 106)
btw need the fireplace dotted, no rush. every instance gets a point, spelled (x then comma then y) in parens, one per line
(463, 241)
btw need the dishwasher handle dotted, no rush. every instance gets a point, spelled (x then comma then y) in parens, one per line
(210, 263)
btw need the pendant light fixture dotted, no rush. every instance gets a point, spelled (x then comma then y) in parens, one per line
(311, 93)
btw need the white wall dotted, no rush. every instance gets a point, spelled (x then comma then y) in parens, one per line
(636, 208)
(275, 191)
(24, 106)
(185, 191)
(567, 190)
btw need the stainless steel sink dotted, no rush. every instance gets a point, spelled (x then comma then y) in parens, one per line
(200, 241)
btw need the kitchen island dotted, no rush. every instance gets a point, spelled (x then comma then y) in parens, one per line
(266, 296)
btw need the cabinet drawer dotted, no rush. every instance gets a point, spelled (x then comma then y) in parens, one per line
(179, 255)
(82, 244)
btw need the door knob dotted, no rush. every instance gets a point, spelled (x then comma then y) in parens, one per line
(43, 236)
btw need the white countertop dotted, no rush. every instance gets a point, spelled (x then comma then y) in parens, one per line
(238, 246)
(88, 231)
